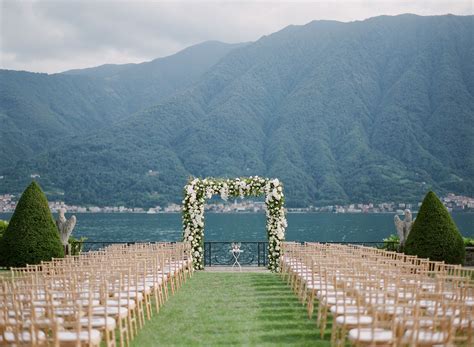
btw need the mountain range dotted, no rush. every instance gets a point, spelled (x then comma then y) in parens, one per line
(373, 110)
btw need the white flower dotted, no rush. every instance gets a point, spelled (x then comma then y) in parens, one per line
(189, 190)
(190, 238)
(224, 192)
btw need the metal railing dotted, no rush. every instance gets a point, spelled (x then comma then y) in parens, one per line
(219, 253)
(254, 253)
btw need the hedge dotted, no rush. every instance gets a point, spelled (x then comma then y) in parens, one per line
(434, 234)
(31, 235)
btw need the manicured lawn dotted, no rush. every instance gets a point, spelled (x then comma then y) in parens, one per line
(214, 309)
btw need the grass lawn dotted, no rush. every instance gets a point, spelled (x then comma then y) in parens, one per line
(213, 309)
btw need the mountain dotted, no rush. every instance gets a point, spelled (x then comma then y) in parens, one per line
(373, 110)
(39, 111)
(143, 85)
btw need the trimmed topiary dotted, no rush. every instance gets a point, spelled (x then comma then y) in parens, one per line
(434, 234)
(31, 235)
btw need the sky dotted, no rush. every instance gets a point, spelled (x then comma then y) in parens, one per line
(53, 36)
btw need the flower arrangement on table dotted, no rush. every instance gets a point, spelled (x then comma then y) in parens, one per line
(235, 247)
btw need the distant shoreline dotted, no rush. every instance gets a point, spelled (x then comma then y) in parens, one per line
(250, 212)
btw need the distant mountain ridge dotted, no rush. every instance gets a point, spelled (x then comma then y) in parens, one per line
(38, 110)
(374, 110)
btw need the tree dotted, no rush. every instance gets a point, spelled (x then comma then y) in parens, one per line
(31, 235)
(3, 227)
(434, 234)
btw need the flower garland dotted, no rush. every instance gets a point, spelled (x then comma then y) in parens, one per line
(198, 190)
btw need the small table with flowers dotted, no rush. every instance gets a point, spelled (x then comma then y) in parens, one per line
(235, 250)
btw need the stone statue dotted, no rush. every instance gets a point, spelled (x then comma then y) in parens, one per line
(65, 227)
(403, 227)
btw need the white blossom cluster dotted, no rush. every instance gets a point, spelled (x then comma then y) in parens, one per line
(198, 190)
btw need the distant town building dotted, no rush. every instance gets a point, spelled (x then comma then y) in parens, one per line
(451, 201)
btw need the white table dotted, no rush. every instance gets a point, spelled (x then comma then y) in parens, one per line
(236, 255)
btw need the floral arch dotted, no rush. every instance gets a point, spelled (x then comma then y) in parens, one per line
(198, 190)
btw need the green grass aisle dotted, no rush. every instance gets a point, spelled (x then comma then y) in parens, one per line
(214, 309)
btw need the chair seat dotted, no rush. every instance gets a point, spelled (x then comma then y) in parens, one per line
(439, 311)
(354, 320)
(379, 301)
(339, 310)
(425, 337)
(141, 288)
(367, 335)
(393, 310)
(332, 300)
(424, 303)
(315, 286)
(45, 322)
(421, 322)
(462, 323)
(405, 295)
(24, 336)
(99, 322)
(329, 293)
(64, 311)
(130, 304)
(83, 336)
(86, 302)
(130, 294)
(120, 311)
(154, 283)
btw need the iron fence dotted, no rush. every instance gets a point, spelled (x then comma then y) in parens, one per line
(219, 253)
(253, 253)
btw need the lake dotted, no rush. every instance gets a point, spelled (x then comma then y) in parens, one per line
(244, 227)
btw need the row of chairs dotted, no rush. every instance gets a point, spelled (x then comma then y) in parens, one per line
(377, 297)
(88, 299)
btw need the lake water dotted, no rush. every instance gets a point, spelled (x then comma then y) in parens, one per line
(244, 227)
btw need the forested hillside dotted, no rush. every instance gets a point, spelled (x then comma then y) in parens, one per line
(40, 112)
(377, 110)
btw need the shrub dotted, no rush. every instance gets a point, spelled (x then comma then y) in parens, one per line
(76, 245)
(434, 234)
(31, 235)
(391, 243)
(468, 241)
(3, 227)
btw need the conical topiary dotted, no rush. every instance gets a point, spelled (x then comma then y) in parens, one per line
(434, 234)
(31, 235)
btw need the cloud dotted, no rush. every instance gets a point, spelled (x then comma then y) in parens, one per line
(52, 36)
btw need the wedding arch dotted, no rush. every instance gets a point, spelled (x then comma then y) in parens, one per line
(198, 190)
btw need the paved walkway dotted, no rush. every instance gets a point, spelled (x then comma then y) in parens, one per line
(238, 309)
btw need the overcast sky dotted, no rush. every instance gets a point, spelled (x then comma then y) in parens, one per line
(52, 36)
